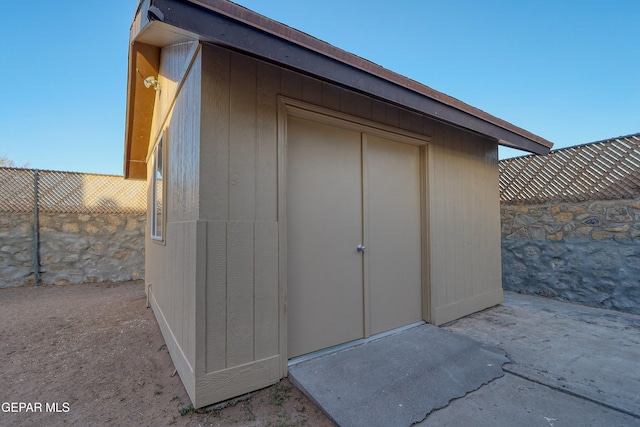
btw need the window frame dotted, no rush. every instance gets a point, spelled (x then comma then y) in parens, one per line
(158, 206)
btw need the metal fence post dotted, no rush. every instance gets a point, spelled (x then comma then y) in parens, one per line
(36, 232)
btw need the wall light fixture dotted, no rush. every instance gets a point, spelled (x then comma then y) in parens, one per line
(152, 82)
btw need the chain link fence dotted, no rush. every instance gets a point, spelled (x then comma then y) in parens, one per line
(67, 227)
(69, 192)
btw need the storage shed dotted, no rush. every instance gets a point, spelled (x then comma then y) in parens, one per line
(300, 197)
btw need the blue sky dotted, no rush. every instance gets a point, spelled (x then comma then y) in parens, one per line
(565, 70)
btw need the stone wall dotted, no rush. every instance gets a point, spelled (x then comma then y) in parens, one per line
(587, 252)
(74, 247)
(16, 249)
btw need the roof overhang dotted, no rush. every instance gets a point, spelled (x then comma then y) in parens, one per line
(144, 61)
(163, 22)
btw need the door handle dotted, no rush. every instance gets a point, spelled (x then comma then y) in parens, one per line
(361, 248)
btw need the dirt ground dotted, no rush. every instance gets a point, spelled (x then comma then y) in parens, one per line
(93, 354)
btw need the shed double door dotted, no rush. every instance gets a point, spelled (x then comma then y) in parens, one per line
(347, 190)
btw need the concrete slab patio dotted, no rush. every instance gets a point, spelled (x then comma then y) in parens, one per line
(514, 401)
(589, 352)
(399, 379)
(569, 365)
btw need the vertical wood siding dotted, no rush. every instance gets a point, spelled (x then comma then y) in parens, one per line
(238, 203)
(172, 266)
(465, 224)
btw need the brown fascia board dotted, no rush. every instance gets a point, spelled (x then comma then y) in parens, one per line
(230, 25)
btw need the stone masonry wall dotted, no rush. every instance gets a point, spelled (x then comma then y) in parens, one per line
(74, 248)
(16, 249)
(587, 252)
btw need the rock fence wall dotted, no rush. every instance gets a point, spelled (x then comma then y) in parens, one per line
(74, 247)
(586, 252)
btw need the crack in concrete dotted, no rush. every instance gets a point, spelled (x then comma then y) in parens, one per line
(466, 394)
(573, 393)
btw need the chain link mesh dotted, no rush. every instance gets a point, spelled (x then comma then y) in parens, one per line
(70, 192)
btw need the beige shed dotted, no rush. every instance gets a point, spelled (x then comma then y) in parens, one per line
(300, 197)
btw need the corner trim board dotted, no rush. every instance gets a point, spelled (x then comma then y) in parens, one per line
(178, 357)
(220, 385)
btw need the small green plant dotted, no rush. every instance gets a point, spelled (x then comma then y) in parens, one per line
(158, 392)
(280, 394)
(187, 410)
(162, 347)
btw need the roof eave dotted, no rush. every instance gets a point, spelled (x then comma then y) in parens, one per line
(147, 37)
(227, 24)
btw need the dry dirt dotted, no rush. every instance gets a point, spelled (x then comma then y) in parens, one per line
(93, 354)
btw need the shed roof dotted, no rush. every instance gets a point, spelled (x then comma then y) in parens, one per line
(159, 23)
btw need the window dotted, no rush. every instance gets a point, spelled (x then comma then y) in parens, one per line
(157, 207)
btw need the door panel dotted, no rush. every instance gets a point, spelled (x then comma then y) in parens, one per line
(394, 244)
(324, 227)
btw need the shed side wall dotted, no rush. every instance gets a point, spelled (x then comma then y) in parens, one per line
(465, 217)
(172, 265)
